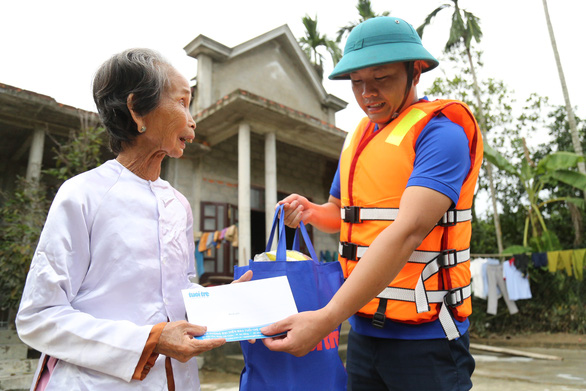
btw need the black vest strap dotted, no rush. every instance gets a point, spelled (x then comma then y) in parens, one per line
(378, 320)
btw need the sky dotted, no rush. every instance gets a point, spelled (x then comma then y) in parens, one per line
(54, 47)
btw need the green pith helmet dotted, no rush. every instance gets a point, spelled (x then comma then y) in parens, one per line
(381, 40)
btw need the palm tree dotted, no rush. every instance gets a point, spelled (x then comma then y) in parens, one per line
(366, 12)
(313, 41)
(571, 119)
(465, 27)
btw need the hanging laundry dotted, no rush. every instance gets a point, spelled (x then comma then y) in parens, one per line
(579, 263)
(496, 279)
(235, 237)
(210, 240)
(517, 283)
(477, 275)
(230, 232)
(552, 260)
(199, 261)
(490, 261)
(521, 262)
(223, 233)
(203, 242)
(539, 259)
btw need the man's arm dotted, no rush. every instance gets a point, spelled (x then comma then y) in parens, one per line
(419, 211)
(325, 217)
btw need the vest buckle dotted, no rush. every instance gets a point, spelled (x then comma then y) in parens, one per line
(449, 219)
(349, 251)
(448, 258)
(455, 297)
(352, 214)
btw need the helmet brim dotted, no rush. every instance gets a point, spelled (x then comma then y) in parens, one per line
(382, 54)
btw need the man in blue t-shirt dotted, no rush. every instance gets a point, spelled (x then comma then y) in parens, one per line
(384, 60)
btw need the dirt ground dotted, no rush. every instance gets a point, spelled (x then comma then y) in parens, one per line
(542, 340)
(497, 371)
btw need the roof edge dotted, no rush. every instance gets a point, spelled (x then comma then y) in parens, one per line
(202, 44)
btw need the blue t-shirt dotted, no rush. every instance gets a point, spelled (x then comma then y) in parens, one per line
(442, 162)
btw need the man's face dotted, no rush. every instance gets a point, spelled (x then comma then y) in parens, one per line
(379, 90)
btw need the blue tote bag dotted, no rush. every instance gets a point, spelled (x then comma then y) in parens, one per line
(313, 284)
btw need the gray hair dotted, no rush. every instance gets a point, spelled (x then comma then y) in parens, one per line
(142, 72)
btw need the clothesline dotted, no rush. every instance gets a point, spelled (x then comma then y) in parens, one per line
(493, 255)
(571, 261)
(208, 240)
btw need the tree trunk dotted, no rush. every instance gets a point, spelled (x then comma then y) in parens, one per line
(488, 165)
(571, 119)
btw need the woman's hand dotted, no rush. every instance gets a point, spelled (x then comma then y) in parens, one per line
(177, 341)
(245, 277)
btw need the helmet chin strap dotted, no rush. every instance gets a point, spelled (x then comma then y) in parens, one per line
(409, 67)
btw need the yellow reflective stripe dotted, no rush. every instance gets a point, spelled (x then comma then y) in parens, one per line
(397, 134)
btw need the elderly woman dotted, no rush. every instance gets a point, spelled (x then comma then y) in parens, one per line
(102, 300)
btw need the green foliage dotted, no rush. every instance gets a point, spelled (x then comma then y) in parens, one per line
(465, 26)
(544, 184)
(483, 239)
(22, 217)
(81, 152)
(313, 41)
(551, 169)
(366, 12)
(24, 212)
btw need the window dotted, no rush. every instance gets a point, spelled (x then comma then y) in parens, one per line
(215, 216)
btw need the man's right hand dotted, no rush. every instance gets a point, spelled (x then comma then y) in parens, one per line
(325, 217)
(297, 208)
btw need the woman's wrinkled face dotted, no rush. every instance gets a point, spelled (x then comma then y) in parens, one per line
(170, 125)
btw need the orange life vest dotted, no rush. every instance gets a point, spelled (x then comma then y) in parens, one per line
(374, 170)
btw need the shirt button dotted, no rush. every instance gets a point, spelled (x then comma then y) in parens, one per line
(165, 301)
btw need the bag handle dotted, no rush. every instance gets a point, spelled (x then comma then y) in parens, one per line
(282, 240)
(308, 244)
(272, 234)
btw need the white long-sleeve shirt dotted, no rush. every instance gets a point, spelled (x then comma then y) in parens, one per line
(114, 254)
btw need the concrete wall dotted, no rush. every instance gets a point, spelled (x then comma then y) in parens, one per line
(298, 171)
(268, 71)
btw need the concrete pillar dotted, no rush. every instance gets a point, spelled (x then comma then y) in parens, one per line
(332, 116)
(270, 181)
(196, 185)
(170, 172)
(244, 231)
(204, 81)
(35, 157)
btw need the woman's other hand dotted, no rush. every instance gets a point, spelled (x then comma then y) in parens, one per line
(245, 277)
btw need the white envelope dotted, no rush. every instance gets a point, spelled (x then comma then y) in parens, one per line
(238, 311)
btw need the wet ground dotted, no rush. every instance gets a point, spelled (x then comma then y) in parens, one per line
(497, 371)
(507, 373)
